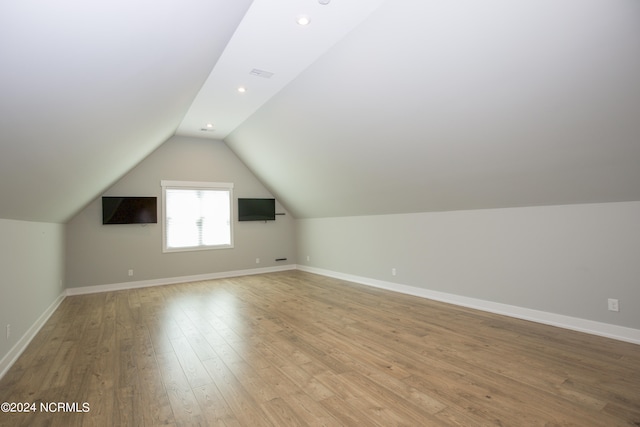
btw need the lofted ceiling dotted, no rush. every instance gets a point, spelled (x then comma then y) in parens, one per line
(374, 107)
(463, 104)
(89, 88)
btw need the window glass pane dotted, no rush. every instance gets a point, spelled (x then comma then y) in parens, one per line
(197, 218)
(216, 221)
(181, 218)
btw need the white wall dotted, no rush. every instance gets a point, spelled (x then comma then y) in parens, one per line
(566, 259)
(31, 279)
(102, 254)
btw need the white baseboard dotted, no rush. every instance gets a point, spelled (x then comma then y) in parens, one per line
(173, 280)
(620, 333)
(588, 326)
(10, 358)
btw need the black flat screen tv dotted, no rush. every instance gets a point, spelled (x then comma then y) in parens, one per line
(129, 210)
(256, 209)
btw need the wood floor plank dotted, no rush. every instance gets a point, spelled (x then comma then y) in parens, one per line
(214, 407)
(245, 408)
(294, 348)
(185, 407)
(154, 401)
(192, 367)
(281, 414)
(310, 410)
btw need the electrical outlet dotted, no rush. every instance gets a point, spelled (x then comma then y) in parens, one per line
(257, 260)
(8, 330)
(130, 272)
(308, 258)
(613, 304)
(393, 271)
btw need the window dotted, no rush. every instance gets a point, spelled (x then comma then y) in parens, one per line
(197, 215)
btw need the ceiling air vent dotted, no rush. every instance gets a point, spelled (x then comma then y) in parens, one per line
(261, 73)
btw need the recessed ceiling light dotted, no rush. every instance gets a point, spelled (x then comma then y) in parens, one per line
(242, 89)
(303, 20)
(209, 125)
(323, 2)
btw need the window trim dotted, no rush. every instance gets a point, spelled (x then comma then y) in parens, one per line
(195, 185)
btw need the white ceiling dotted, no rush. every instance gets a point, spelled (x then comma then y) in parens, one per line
(89, 88)
(463, 104)
(268, 39)
(375, 107)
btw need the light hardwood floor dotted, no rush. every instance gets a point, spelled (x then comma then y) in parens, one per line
(298, 349)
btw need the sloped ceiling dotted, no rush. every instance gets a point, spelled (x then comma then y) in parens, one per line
(379, 107)
(90, 88)
(446, 105)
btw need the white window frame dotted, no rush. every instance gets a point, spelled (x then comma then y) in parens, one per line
(195, 185)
